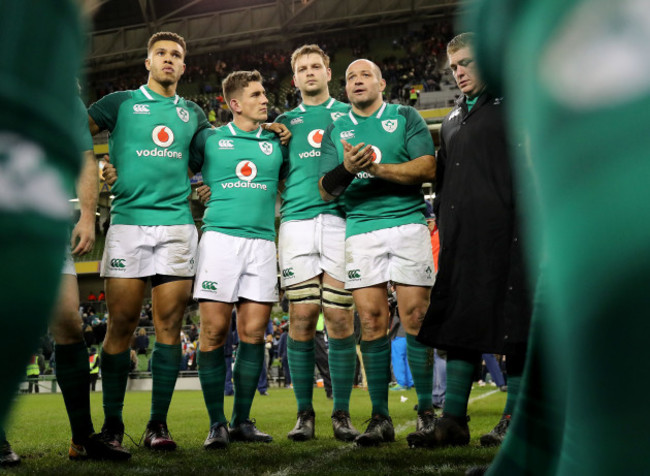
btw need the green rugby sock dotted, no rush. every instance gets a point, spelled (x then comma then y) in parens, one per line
(459, 384)
(115, 375)
(212, 374)
(301, 365)
(245, 375)
(165, 364)
(72, 374)
(514, 383)
(376, 359)
(420, 359)
(343, 362)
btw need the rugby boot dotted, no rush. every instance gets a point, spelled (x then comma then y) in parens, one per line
(379, 430)
(247, 432)
(8, 456)
(304, 429)
(424, 425)
(218, 438)
(112, 434)
(498, 433)
(445, 431)
(157, 437)
(95, 447)
(342, 426)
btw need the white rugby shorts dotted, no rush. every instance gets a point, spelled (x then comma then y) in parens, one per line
(232, 267)
(401, 254)
(134, 251)
(309, 247)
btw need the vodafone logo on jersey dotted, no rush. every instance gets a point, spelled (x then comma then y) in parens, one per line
(376, 154)
(162, 136)
(246, 170)
(315, 138)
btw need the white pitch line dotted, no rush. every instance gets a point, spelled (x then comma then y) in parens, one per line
(324, 457)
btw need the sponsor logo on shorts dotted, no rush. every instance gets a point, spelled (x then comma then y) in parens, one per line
(226, 144)
(347, 134)
(192, 264)
(389, 125)
(246, 171)
(209, 285)
(141, 109)
(118, 263)
(354, 275)
(315, 138)
(183, 115)
(336, 115)
(287, 273)
(266, 147)
(428, 272)
(297, 120)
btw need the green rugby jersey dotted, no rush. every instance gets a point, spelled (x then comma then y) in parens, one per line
(149, 145)
(398, 134)
(300, 198)
(242, 169)
(43, 44)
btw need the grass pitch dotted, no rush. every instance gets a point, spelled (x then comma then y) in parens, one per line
(40, 434)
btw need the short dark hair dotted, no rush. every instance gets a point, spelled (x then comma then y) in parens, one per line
(309, 50)
(167, 36)
(238, 80)
(459, 42)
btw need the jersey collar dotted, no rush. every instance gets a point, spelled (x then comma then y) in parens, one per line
(148, 93)
(233, 130)
(330, 102)
(353, 117)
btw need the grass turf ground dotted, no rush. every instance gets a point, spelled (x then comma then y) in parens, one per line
(40, 434)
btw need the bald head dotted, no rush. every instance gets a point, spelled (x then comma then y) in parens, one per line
(367, 64)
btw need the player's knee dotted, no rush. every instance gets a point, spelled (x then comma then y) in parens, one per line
(334, 298)
(302, 323)
(212, 337)
(66, 327)
(373, 322)
(307, 292)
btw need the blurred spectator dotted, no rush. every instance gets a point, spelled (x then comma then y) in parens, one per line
(141, 345)
(283, 356)
(89, 335)
(35, 368)
(93, 362)
(102, 296)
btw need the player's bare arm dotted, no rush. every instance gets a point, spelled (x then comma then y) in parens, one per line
(280, 130)
(83, 235)
(422, 169)
(204, 193)
(92, 125)
(109, 173)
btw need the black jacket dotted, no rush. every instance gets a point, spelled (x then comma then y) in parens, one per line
(481, 299)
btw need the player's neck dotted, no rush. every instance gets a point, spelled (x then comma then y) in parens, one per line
(316, 100)
(245, 124)
(367, 109)
(166, 91)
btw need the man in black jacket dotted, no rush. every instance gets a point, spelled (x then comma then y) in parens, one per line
(480, 302)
